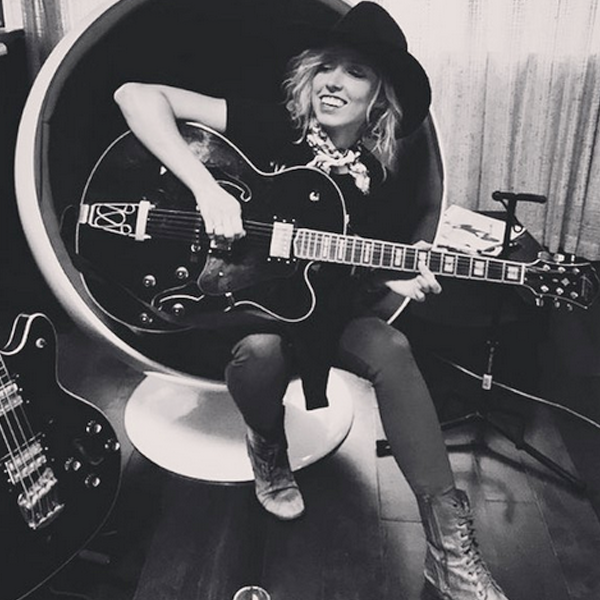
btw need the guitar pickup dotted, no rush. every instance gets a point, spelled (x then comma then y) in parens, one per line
(25, 462)
(281, 241)
(9, 397)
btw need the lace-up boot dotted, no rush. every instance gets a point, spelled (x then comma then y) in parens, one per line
(275, 486)
(454, 569)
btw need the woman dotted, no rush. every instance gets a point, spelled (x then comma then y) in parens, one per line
(346, 103)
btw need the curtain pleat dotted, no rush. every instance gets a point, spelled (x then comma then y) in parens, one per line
(516, 100)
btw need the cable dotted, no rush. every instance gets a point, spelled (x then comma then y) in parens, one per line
(521, 393)
(56, 592)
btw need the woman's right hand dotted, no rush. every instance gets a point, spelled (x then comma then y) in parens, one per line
(151, 111)
(221, 213)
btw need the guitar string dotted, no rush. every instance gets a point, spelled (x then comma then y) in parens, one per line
(186, 234)
(182, 231)
(48, 499)
(17, 453)
(179, 236)
(179, 225)
(28, 437)
(387, 250)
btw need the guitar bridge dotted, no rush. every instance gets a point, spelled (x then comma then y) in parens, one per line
(38, 502)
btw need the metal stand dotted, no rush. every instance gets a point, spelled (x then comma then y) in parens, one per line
(480, 411)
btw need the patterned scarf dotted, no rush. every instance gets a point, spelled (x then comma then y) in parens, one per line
(329, 158)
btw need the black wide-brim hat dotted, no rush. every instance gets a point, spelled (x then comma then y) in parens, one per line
(370, 29)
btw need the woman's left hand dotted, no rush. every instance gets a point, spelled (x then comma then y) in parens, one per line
(418, 287)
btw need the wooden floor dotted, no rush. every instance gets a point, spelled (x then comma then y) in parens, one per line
(170, 538)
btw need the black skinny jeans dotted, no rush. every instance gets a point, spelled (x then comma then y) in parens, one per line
(259, 372)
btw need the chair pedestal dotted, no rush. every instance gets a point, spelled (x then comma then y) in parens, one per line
(193, 428)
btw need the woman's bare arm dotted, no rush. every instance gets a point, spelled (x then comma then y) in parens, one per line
(151, 112)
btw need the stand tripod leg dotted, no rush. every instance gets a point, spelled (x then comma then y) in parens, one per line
(521, 444)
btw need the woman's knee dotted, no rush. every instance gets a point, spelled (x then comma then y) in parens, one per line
(259, 348)
(373, 338)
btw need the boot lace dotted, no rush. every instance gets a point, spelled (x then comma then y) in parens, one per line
(476, 567)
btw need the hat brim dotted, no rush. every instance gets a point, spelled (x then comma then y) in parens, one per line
(371, 30)
(405, 73)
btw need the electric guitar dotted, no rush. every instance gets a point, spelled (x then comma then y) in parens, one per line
(60, 458)
(151, 266)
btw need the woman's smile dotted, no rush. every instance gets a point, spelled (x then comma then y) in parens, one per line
(343, 90)
(332, 102)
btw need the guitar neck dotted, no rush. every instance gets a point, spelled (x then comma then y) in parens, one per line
(356, 251)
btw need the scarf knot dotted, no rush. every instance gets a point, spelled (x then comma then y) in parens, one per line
(329, 159)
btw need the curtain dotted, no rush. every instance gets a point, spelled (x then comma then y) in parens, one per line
(46, 21)
(516, 87)
(516, 98)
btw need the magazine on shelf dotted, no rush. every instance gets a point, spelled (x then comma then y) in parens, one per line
(464, 230)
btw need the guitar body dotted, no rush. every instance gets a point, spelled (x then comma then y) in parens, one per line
(61, 463)
(178, 275)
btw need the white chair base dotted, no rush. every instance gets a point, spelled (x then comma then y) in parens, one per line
(193, 428)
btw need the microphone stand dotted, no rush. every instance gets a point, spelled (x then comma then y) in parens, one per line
(481, 415)
(509, 200)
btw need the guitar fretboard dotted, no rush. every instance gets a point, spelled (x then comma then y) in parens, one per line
(349, 250)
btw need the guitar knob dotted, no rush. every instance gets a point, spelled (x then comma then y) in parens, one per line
(112, 445)
(93, 428)
(145, 318)
(178, 309)
(149, 281)
(92, 481)
(182, 273)
(41, 343)
(72, 464)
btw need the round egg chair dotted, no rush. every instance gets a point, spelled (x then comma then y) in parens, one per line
(181, 416)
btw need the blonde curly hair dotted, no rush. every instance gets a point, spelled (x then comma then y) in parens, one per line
(384, 114)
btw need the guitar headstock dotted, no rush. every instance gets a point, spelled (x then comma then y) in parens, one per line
(564, 279)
